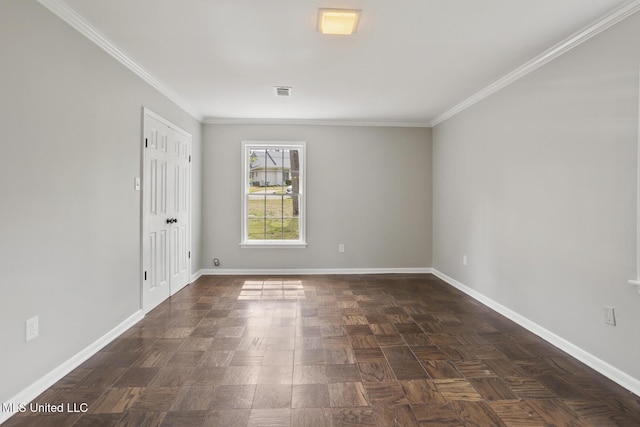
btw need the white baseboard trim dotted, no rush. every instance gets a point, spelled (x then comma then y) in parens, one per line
(614, 374)
(195, 276)
(308, 271)
(35, 389)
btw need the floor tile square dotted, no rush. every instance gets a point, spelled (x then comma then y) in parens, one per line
(310, 396)
(272, 396)
(233, 396)
(347, 395)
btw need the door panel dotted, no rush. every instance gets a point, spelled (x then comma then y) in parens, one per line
(166, 214)
(157, 286)
(157, 275)
(180, 191)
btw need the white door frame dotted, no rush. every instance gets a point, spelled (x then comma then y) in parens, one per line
(146, 112)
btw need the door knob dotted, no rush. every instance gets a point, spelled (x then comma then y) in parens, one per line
(169, 220)
(174, 220)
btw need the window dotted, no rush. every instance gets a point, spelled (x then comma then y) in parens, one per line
(273, 194)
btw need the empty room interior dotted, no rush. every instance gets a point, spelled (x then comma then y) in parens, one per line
(320, 213)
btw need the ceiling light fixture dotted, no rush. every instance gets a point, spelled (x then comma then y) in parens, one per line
(338, 21)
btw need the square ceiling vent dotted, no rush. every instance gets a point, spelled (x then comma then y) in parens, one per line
(283, 90)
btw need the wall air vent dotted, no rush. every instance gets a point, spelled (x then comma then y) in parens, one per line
(283, 90)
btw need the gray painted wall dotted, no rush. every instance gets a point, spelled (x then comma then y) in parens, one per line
(71, 120)
(537, 185)
(368, 188)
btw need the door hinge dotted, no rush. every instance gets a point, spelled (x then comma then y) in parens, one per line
(189, 159)
(146, 143)
(189, 254)
(145, 275)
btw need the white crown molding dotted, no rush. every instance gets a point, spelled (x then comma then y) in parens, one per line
(71, 17)
(38, 387)
(564, 46)
(622, 378)
(308, 271)
(311, 122)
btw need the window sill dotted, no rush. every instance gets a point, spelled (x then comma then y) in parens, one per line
(273, 245)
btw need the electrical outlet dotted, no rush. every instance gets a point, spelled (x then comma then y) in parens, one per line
(609, 316)
(32, 328)
(341, 247)
(216, 262)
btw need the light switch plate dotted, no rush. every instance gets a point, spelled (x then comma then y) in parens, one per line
(609, 316)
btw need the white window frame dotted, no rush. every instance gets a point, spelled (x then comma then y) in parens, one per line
(301, 146)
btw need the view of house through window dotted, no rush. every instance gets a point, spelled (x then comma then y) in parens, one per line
(273, 199)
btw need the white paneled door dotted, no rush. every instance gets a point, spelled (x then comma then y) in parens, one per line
(166, 210)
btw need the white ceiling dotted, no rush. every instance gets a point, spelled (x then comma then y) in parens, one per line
(410, 61)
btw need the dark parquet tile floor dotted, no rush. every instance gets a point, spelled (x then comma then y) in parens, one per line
(379, 350)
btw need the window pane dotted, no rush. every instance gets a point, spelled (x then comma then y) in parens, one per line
(287, 202)
(254, 168)
(256, 207)
(291, 229)
(294, 204)
(294, 173)
(270, 164)
(274, 206)
(256, 229)
(273, 229)
(293, 160)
